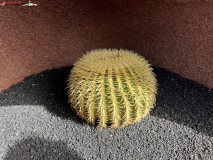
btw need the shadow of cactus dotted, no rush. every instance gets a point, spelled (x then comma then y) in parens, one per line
(184, 101)
(180, 100)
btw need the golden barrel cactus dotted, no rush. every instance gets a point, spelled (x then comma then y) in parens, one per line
(112, 87)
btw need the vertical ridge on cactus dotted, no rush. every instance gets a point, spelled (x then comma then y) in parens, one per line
(112, 87)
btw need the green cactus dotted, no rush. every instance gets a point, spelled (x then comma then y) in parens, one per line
(112, 87)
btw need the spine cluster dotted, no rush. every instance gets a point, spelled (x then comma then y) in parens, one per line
(115, 91)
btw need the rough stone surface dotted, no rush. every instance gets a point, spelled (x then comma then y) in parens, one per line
(37, 123)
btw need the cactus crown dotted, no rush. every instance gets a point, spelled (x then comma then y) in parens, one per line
(113, 87)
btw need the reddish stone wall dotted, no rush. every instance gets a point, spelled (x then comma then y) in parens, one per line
(176, 35)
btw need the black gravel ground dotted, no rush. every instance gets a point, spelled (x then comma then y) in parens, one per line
(37, 123)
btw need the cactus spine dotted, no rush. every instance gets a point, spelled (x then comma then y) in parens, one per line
(113, 87)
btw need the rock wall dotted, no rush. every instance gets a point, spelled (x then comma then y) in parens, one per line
(176, 35)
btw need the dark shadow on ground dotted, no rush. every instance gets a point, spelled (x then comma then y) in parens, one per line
(184, 101)
(47, 89)
(180, 100)
(40, 149)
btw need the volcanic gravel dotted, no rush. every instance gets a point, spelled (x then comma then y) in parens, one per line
(36, 122)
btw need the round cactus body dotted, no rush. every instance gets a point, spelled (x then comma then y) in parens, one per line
(112, 87)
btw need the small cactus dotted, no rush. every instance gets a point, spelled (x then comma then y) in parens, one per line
(112, 87)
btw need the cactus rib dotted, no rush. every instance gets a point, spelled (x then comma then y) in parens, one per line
(112, 87)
